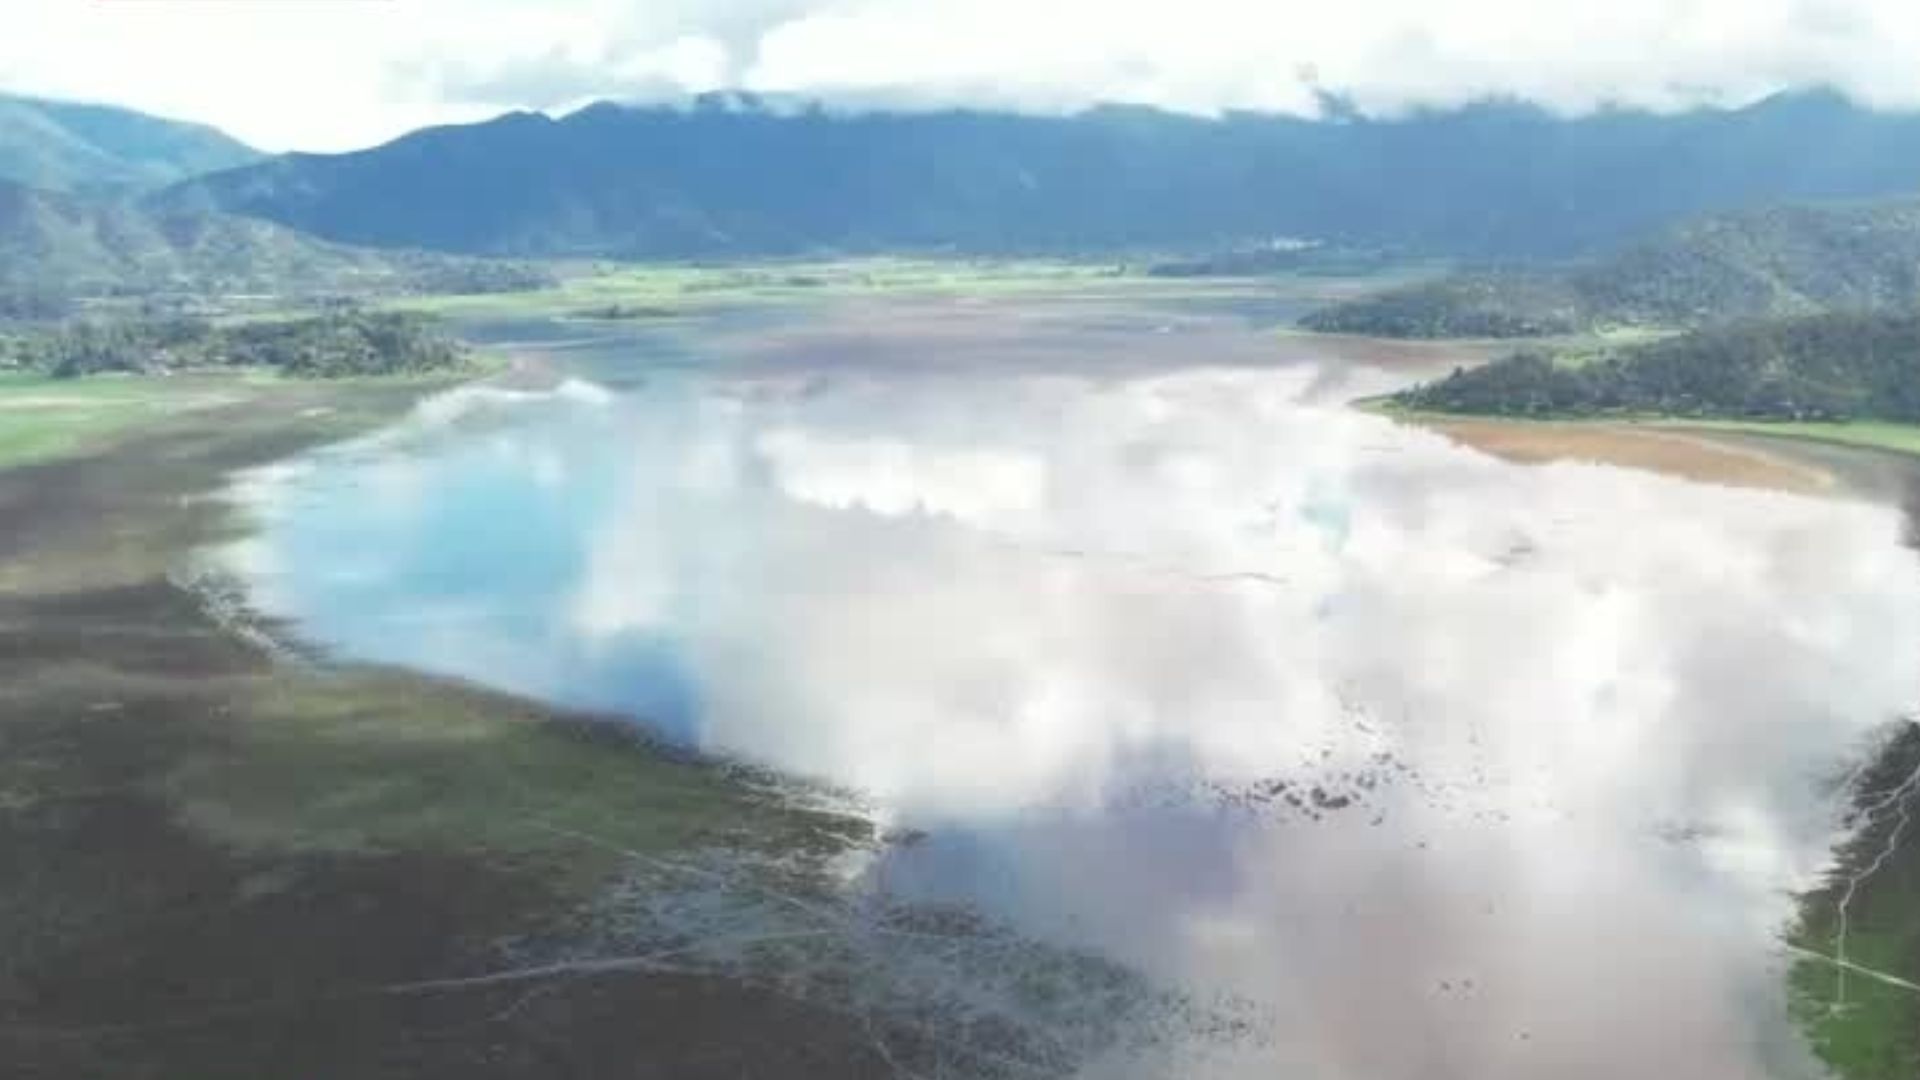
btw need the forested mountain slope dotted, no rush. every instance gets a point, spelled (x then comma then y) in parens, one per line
(69, 146)
(55, 247)
(730, 176)
(1776, 261)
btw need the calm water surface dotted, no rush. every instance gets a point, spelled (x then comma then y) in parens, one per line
(1433, 766)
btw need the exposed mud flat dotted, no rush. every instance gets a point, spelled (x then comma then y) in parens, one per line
(1689, 457)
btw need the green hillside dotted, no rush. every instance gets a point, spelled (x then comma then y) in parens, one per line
(1790, 260)
(1466, 305)
(735, 175)
(55, 247)
(1828, 367)
(68, 146)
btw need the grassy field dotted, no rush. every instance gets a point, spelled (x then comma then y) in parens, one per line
(1863, 1028)
(1584, 349)
(370, 761)
(42, 418)
(664, 290)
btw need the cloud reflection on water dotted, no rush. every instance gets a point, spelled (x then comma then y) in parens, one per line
(1457, 768)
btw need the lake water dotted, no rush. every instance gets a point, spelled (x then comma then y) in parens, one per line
(1430, 765)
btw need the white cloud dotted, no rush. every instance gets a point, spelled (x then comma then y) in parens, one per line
(322, 74)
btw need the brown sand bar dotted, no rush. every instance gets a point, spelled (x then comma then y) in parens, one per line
(1672, 453)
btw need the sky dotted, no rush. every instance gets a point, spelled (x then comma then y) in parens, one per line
(339, 74)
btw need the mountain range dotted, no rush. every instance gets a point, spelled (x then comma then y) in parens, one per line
(728, 175)
(719, 177)
(70, 146)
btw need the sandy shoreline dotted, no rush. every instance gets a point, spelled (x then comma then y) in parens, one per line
(1686, 455)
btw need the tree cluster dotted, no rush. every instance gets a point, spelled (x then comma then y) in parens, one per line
(1820, 367)
(1461, 306)
(339, 343)
(1766, 263)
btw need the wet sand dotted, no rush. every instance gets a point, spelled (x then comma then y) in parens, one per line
(1699, 458)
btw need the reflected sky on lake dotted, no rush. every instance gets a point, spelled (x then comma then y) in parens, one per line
(1453, 768)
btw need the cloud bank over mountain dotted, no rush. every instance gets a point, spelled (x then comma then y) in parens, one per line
(333, 75)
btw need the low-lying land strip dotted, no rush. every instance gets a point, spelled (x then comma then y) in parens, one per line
(48, 410)
(626, 292)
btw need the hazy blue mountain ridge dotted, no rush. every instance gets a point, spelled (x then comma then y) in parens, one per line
(1495, 180)
(72, 146)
